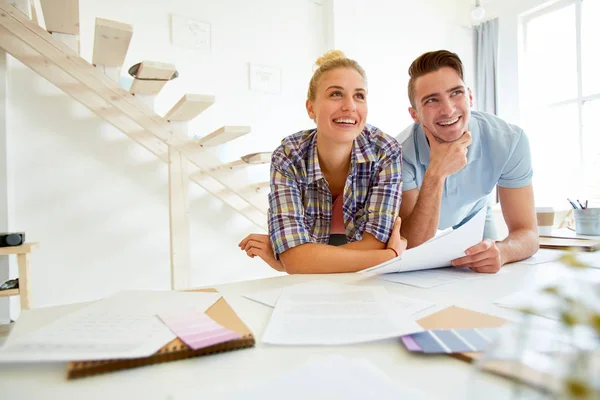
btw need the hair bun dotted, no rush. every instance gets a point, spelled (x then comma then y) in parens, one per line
(329, 56)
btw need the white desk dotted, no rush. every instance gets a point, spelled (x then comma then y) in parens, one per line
(213, 376)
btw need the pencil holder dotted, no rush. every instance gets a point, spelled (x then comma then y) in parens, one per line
(587, 222)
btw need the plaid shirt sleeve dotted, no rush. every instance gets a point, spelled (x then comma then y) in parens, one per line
(287, 222)
(385, 194)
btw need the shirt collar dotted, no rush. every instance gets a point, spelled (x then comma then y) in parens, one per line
(473, 154)
(362, 152)
(313, 169)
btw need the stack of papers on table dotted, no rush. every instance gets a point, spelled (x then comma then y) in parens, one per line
(405, 305)
(431, 277)
(122, 326)
(339, 315)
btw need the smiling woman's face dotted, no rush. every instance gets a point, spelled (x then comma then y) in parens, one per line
(340, 105)
(443, 104)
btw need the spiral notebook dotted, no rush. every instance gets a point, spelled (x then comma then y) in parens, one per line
(220, 312)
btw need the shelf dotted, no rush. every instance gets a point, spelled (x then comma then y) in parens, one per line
(111, 42)
(23, 249)
(151, 77)
(61, 15)
(223, 135)
(189, 107)
(9, 292)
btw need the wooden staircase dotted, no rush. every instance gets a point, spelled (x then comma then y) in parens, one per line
(53, 54)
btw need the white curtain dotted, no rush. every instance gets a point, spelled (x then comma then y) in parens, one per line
(486, 65)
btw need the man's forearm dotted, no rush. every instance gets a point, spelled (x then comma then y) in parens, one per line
(312, 258)
(518, 245)
(422, 223)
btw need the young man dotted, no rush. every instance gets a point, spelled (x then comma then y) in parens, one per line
(452, 160)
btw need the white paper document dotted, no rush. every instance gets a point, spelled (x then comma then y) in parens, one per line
(437, 252)
(431, 277)
(406, 304)
(551, 306)
(542, 304)
(121, 326)
(341, 316)
(409, 305)
(332, 377)
(269, 297)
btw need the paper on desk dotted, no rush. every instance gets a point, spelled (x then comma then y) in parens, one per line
(545, 305)
(551, 306)
(269, 297)
(121, 326)
(406, 304)
(437, 252)
(341, 316)
(543, 256)
(431, 277)
(332, 377)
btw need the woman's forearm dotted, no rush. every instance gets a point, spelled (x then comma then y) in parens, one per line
(368, 242)
(312, 258)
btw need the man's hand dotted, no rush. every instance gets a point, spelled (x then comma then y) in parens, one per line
(483, 257)
(447, 158)
(259, 245)
(397, 242)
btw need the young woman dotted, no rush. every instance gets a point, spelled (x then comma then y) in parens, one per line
(335, 190)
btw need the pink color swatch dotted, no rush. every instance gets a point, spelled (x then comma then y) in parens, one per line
(411, 343)
(197, 329)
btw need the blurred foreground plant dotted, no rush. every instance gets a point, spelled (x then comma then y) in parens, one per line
(575, 311)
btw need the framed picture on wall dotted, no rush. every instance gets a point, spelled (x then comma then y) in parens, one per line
(189, 33)
(264, 79)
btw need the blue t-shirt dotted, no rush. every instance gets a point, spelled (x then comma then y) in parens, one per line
(499, 154)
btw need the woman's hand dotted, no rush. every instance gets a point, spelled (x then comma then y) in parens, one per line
(397, 242)
(257, 244)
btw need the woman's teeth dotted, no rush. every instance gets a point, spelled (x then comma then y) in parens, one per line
(345, 121)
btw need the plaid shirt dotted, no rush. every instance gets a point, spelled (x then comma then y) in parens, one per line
(300, 202)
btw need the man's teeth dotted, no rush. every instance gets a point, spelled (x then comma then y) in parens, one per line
(344, 121)
(453, 121)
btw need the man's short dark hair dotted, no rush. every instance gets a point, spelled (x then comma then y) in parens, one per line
(431, 62)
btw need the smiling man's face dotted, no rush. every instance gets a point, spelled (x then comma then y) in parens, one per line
(443, 104)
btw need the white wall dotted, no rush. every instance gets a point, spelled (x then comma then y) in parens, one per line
(386, 36)
(7, 265)
(97, 201)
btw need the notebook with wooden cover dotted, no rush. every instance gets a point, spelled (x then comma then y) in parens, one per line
(461, 318)
(221, 312)
(547, 242)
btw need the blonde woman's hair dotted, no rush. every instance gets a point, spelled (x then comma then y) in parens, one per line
(329, 61)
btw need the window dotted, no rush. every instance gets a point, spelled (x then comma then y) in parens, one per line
(560, 96)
